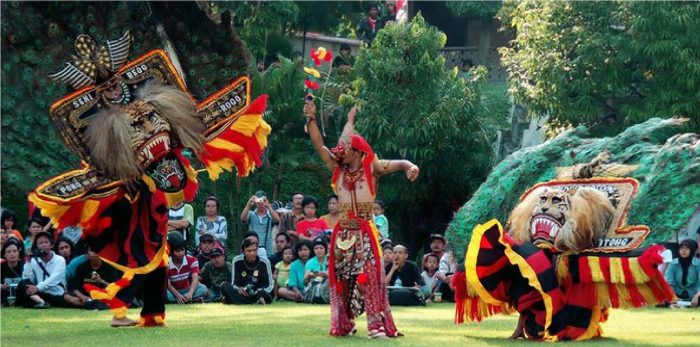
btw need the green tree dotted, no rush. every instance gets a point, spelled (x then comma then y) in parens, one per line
(608, 63)
(474, 9)
(413, 107)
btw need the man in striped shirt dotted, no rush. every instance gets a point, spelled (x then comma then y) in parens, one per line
(183, 274)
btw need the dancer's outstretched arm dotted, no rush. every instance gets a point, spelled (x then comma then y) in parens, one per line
(383, 167)
(316, 137)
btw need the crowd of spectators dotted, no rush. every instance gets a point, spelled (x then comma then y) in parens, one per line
(283, 256)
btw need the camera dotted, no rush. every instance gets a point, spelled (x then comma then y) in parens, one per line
(38, 253)
(250, 289)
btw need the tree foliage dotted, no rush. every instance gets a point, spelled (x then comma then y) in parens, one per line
(413, 107)
(474, 9)
(610, 63)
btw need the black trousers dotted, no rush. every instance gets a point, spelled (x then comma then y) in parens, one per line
(150, 288)
(24, 300)
(231, 296)
(447, 293)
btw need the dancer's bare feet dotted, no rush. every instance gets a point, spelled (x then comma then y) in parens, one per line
(518, 333)
(123, 322)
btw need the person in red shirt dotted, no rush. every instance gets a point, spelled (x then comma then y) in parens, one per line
(310, 227)
(183, 275)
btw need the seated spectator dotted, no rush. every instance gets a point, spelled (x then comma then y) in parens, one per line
(216, 273)
(9, 221)
(296, 289)
(429, 274)
(42, 284)
(446, 267)
(683, 274)
(253, 236)
(260, 217)
(183, 275)
(74, 234)
(316, 274)
(180, 219)
(379, 219)
(207, 243)
(65, 248)
(212, 223)
(94, 272)
(388, 252)
(282, 241)
(446, 270)
(11, 269)
(310, 227)
(281, 270)
(252, 278)
(33, 229)
(403, 280)
(345, 60)
(333, 215)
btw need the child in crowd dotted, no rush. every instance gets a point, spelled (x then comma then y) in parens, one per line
(388, 252)
(430, 274)
(281, 273)
(295, 289)
(311, 226)
(9, 220)
(379, 219)
(183, 274)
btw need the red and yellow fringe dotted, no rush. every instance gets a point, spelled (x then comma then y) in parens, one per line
(241, 144)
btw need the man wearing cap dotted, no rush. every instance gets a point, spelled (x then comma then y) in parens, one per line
(446, 268)
(207, 243)
(42, 283)
(356, 269)
(215, 273)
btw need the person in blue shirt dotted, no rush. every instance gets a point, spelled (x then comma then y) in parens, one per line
(295, 288)
(260, 217)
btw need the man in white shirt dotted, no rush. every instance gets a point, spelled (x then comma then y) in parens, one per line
(43, 279)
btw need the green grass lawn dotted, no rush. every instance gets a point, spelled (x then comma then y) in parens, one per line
(289, 324)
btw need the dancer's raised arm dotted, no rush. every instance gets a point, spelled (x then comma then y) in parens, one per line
(316, 137)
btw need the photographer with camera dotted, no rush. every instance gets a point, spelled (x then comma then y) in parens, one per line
(252, 278)
(43, 278)
(260, 220)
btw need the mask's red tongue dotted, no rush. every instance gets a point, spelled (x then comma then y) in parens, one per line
(542, 230)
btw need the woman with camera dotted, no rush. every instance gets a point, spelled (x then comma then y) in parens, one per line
(252, 278)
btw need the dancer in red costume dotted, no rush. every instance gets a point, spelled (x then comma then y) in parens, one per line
(356, 269)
